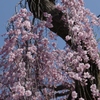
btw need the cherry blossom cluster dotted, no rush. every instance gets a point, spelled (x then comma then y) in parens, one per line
(14, 54)
(80, 21)
(95, 91)
(31, 59)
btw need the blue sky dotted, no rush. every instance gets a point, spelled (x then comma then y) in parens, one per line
(7, 9)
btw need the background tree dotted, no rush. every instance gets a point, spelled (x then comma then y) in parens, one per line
(34, 68)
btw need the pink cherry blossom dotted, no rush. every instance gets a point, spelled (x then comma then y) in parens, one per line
(81, 99)
(74, 94)
(28, 93)
(68, 38)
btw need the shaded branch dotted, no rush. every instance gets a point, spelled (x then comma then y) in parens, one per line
(59, 26)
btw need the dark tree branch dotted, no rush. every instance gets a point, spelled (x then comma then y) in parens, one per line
(59, 26)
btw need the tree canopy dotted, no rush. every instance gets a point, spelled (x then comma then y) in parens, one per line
(34, 68)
